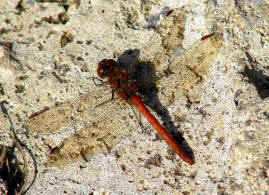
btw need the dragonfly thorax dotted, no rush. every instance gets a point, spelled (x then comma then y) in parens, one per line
(119, 81)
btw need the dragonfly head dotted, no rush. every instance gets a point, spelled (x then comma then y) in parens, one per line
(105, 67)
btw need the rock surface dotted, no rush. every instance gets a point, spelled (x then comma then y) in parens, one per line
(48, 49)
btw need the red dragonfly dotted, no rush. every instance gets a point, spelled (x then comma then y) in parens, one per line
(106, 119)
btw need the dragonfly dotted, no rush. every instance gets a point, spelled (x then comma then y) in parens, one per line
(103, 120)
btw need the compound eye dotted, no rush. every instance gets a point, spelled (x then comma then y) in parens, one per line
(101, 73)
(105, 66)
(101, 68)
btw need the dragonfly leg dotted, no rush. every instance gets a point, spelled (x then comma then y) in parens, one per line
(101, 84)
(106, 102)
(139, 119)
(112, 94)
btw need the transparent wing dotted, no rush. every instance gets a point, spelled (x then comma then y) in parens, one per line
(168, 37)
(165, 46)
(200, 55)
(70, 112)
(165, 50)
(191, 68)
(106, 126)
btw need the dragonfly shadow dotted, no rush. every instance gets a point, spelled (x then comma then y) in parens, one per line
(259, 80)
(144, 74)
